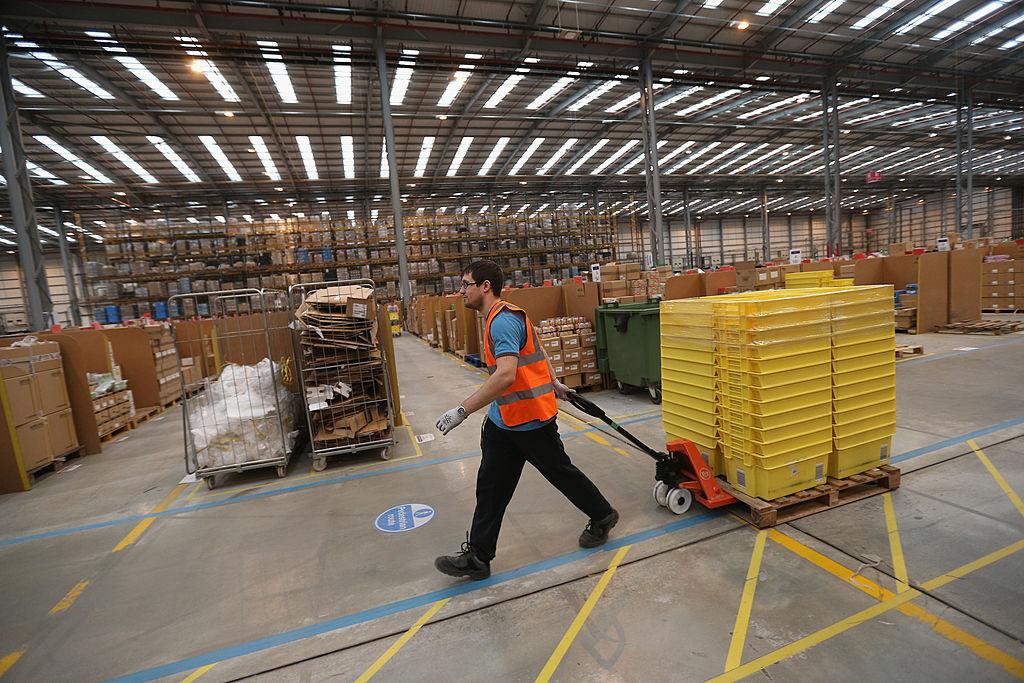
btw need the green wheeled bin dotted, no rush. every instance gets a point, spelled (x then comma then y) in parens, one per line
(629, 345)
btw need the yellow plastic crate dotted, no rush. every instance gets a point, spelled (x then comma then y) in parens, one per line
(778, 364)
(776, 420)
(740, 430)
(814, 278)
(691, 343)
(881, 420)
(864, 349)
(863, 437)
(788, 347)
(859, 308)
(773, 393)
(862, 362)
(862, 335)
(861, 322)
(699, 369)
(693, 385)
(768, 302)
(863, 412)
(687, 307)
(770, 322)
(688, 331)
(781, 406)
(778, 334)
(704, 443)
(768, 380)
(778, 481)
(686, 355)
(680, 427)
(847, 462)
(750, 459)
(885, 369)
(844, 394)
(869, 398)
(671, 396)
(770, 448)
(860, 293)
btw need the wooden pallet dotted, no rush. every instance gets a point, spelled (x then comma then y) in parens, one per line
(835, 492)
(906, 350)
(995, 327)
(145, 414)
(111, 435)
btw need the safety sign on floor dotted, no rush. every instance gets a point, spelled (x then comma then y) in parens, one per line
(405, 517)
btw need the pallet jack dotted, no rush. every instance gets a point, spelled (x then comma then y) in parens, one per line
(681, 474)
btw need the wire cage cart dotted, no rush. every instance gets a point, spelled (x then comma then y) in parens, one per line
(236, 363)
(343, 369)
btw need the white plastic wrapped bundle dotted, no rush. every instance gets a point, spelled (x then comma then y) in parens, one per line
(236, 420)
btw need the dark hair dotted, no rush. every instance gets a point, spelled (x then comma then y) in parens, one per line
(486, 270)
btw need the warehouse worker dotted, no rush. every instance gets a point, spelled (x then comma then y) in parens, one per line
(520, 427)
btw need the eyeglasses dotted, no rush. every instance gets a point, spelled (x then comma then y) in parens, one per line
(467, 285)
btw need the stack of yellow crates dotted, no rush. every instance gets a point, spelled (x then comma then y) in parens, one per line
(774, 390)
(688, 375)
(813, 278)
(863, 378)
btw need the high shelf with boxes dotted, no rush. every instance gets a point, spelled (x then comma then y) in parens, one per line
(571, 345)
(1002, 284)
(145, 264)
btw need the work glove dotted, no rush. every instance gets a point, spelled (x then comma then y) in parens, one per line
(451, 419)
(561, 391)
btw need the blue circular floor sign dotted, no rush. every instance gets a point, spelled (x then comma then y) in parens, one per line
(404, 517)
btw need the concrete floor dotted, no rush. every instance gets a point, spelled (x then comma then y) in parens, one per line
(289, 580)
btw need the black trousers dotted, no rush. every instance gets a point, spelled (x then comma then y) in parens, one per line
(504, 454)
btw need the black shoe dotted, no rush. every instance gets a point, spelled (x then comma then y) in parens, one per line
(466, 563)
(597, 530)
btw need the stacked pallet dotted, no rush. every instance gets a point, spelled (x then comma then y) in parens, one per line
(571, 345)
(165, 357)
(1002, 285)
(113, 410)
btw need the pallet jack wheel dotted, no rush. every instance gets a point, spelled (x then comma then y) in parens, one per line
(319, 464)
(661, 493)
(679, 500)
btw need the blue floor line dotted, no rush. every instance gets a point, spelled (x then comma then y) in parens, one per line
(390, 608)
(952, 441)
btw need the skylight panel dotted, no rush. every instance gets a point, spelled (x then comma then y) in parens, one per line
(675, 98)
(694, 156)
(73, 75)
(1010, 44)
(594, 149)
(496, 151)
(278, 71)
(269, 168)
(708, 162)
(25, 90)
(403, 74)
(616, 155)
(876, 160)
(888, 112)
(342, 73)
(122, 156)
(877, 13)
(676, 152)
(505, 88)
(537, 142)
(218, 154)
(67, 155)
(460, 154)
(826, 10)
(421, 163)
(847, 105)
(385, 168)
(711, 4)
(173, 157)
(40, 172)
(924, 16)
(796, 162)
(637, 159)
(769, 8)
(348, 156)
(845, 157)
(204, 66)
(704, 104)
(522, 208)
(133, 65)
(796, 99)
(924, 117)
(458, 80)
(739, 157)
(999, 29)
(552, 90)
(306, 152)
(566, 146)
(970, 19)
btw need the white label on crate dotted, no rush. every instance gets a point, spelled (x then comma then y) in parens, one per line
(884, 452)
(819, 471)
(405, 517)
(424, 438)
(741, 478)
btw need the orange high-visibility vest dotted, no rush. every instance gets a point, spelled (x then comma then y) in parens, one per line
(532, 395)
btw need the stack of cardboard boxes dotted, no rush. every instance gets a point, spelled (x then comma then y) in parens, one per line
(628, 284)
(906, 310)
(750, 278)
(165, 356)
(571, 344)
(1002, 285)
(113, 410)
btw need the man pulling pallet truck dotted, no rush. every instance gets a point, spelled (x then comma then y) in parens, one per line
(520, 427)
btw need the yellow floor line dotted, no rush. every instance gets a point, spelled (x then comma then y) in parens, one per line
(739, 631)
(194, 491)
(70, 598)
(412, 436)
(1010, 493)
(9, 660)
(960, 572)
(400, 643)
(581, 618)
(141, 527)
(197, 673)
(899, 565)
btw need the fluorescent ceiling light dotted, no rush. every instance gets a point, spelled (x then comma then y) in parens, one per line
(566, 146)
(881, 114)
(595, 148)
(825, 11)
(385, 168)
(970, 19)
(247, 217)
(739, 157)
(207, 68)
(66, 71)
(537, 142)
(845, 157)
(629, 100)
(552, 90)
(505, 88)
(403, 74)
(458, 80)
(925, 16)
(841, 107)
(460, 153)
(278, 71)
(342, 73)
(637, 159)
(40, 172)
(708, 162)
(769, 8)
(133, 65)
(218, 154)
(25, 90)
(522, 208)
(264, 154)
(876, 160)
(173, 157)
(192, 219)
(616, 155)
(348, 157)
(796, 162)
(999, 29)
(594, 94)
(122, 156)
(875, 14)
(65, 154)
(711, 4)
(676, 152)
(306, 152)
(704, 104)
(496, 151)
(421, 163)
(1010, 44)
(675, 98)
(925, 117)
(694, 156)
(802, 97)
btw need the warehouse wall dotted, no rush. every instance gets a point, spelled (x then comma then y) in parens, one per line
(923, 219)
(13, 317)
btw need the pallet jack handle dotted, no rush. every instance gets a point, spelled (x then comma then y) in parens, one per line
(594, 410)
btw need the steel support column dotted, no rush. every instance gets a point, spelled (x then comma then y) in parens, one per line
(688, 226)
(766, 237)
(651, 173)
(890, 206)
(830, 145)
(67, 264)
(396, 196)
(964, 159)
(38, 304)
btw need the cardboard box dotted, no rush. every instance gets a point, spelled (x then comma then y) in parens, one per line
(571, 368)
(998, 304)
(1018, 292)
(588, 353)
(609, 272)
(22, 399)
(60, 430)
(900, 248)
(630, 268)
(34, 444)
(51, 391)
(908, 301)
(591, 379)
(574, 381)
(998, 279)
(551, 344)
(746, 278)
(559, 369)
(45, 356)
(999, 267)
(612, 288)
(588, 365)
(15, 361)
(570, 341)
(571, 356)
(555, 358)
(1000, 292)
(588, 339)
(627, 300)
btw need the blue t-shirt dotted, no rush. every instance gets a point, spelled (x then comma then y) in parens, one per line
(508, 332)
